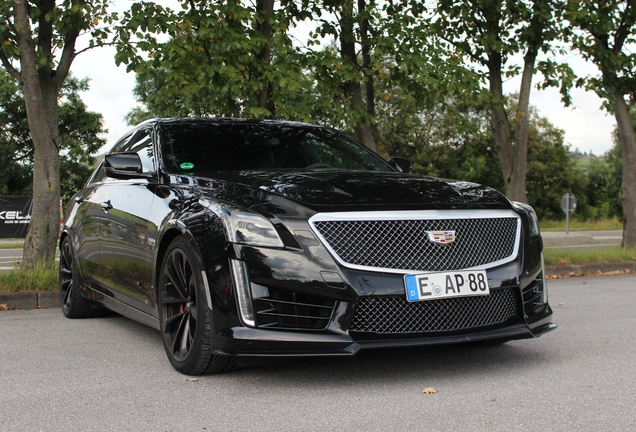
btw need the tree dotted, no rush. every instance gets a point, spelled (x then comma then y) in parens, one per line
(487, 34)
(38, 47)
(369, 45)
(454, 140)
(15, 157)
(79, 138)
(603, 32)
(221, 57)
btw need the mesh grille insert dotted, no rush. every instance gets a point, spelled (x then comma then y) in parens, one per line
(404, 244)
(395, 315)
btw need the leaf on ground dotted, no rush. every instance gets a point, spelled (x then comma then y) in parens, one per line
(4, 307)
(192, 379)
(430, 390)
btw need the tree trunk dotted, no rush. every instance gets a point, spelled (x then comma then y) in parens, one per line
(41, 106)
(264, 10)
(627, 194)
(352, 88)
(369, 83)
(499, 119)
(516, 189)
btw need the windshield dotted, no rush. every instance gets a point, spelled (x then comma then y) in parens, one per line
(199, 147)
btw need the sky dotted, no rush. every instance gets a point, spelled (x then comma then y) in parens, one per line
(586, 126)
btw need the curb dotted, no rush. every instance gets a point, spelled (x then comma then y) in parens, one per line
(51, 299)
(30, 299)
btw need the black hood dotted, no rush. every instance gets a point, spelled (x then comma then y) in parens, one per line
(362, 189)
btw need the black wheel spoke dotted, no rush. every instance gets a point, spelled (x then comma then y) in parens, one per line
(171, 300)
(175, 281)
(176, 340)
(180, 269)
(67, 294)
(185, 339)
(170, 321)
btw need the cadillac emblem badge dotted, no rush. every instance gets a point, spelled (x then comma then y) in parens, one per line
(443, 237)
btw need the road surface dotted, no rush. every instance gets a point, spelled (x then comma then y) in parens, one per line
(112, 374)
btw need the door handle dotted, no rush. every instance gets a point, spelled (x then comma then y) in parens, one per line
(106, 205)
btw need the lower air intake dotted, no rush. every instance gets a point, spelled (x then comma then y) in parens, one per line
(395, 315)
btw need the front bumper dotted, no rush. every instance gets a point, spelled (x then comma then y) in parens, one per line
(248, 342)
(298, 279)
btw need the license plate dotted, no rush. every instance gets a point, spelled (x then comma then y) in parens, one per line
(433, 286)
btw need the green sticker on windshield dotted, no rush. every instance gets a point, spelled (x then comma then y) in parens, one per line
(186, 166)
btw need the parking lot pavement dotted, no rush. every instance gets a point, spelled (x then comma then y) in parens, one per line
(111, 374)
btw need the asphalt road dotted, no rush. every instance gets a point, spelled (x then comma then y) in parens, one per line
(112, 374)
(581, 239)
(8, 259)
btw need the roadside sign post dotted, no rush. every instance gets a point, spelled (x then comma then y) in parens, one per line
(568, 205)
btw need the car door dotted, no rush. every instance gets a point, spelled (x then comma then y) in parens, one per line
(125, 242)
(85, 226)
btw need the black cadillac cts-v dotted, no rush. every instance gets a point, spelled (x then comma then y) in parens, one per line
(243, 239)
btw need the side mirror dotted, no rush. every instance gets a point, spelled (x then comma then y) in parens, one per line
(124, 166)
(401, 164)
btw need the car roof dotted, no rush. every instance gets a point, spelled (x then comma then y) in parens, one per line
(227, 120)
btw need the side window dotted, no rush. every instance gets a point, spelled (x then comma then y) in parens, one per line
(141, 143)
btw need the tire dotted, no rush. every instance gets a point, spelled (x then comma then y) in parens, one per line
(73, 305)
(184, 316)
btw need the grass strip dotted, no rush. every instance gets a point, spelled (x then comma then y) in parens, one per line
(43, 277)
(612, 254)
(579, 225)
(15, 245)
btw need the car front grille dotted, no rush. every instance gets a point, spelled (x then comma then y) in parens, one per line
(404, 244)
(395, 315)
(290, 310)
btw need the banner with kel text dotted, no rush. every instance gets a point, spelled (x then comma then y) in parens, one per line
(15, 215)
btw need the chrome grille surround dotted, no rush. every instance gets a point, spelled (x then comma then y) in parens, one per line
(395, 315)
(397, 242)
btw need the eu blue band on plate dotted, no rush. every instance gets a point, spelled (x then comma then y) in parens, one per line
(411, 287)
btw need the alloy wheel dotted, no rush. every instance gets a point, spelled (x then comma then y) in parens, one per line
(178, 304)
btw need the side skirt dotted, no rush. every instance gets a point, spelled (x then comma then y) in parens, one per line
(120, 308)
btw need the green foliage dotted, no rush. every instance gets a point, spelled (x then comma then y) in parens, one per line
(79, 138)
(211, 62)
(551, 171)
(603, 186)
(56, 23)
(455, 141)
(14, 132)
(603, 32)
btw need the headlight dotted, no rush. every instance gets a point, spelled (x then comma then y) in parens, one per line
(533, 229)
(244, 226)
